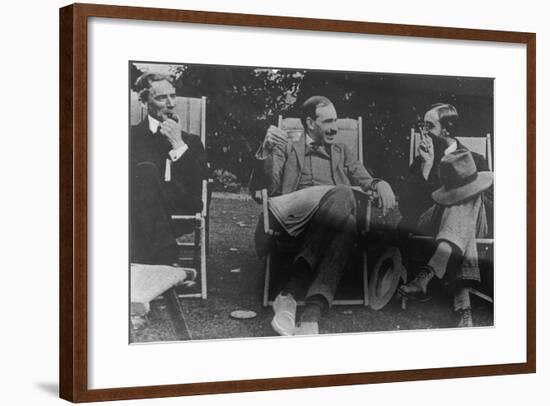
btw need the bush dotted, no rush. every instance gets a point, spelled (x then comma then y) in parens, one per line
(225, 181)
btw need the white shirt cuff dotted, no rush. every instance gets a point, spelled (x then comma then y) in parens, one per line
(176, 154)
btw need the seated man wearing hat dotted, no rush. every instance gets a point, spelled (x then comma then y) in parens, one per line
(447, 195)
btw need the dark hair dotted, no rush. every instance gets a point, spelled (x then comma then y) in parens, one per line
(309, 108)
(447, 116)
(144, 82)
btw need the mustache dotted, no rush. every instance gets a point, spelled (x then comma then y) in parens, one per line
(332, 132)
(170, 115)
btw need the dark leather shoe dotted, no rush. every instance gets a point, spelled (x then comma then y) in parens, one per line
(417, 289)
(466, 319)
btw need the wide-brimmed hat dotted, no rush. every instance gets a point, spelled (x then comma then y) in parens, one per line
(460, 178)
(385, 277)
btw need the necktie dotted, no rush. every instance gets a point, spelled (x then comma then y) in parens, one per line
(313, 147)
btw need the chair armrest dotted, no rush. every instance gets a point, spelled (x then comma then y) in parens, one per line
(486, 241)
(263, 199)
(200, 214)
(367, 198)
(363, 196)
(256, 195)
(204, 197)
(265, 210)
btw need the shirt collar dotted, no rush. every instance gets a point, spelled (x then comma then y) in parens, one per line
(310, 141)
(153, 124)
(451, 148)
(319, 148)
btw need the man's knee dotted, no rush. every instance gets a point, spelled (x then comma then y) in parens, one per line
(343, 196)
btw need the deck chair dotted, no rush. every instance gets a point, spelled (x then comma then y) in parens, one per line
(192, 114)
(349, 132)
(482, 146)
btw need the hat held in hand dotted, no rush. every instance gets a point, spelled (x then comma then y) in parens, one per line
(460, 178)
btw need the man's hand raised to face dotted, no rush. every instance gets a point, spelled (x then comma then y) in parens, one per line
(172, 130)
(426, 152)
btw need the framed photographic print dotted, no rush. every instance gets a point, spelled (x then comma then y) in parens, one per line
(254, 202)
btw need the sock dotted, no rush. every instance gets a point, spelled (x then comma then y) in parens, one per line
(462, 299)
(316, 305)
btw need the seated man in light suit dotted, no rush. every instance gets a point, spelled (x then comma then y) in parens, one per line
(167, 166)
(310, 181)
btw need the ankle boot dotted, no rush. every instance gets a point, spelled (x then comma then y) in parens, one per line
(418, 288)
(466, 319)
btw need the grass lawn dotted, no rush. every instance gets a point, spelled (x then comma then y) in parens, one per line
(235, 282)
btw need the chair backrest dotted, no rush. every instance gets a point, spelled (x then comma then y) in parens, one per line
(350, 132)
(480, 145)
(190, 110)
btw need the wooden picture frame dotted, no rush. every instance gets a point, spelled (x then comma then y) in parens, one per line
(74, 207)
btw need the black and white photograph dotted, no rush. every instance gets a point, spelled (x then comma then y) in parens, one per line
(277, 201)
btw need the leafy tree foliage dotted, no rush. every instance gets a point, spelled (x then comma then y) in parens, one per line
(243, 101)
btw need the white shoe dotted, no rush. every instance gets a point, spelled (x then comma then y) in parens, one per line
(284, 321)
(307, 328)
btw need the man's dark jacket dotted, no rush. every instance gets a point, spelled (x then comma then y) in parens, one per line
(153, 200)
(187, 172)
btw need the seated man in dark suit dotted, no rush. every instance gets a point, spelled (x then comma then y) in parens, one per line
(447, 195)
(310, 181)
(167, 166)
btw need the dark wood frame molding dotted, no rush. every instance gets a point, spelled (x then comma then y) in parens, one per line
(73, 362)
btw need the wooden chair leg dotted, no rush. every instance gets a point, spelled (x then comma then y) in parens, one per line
(203, 244)
(481, 295)
(197, 247)
(207, 235)
(365, 279)
(268, 264)
(368, 214)
(177, 316)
